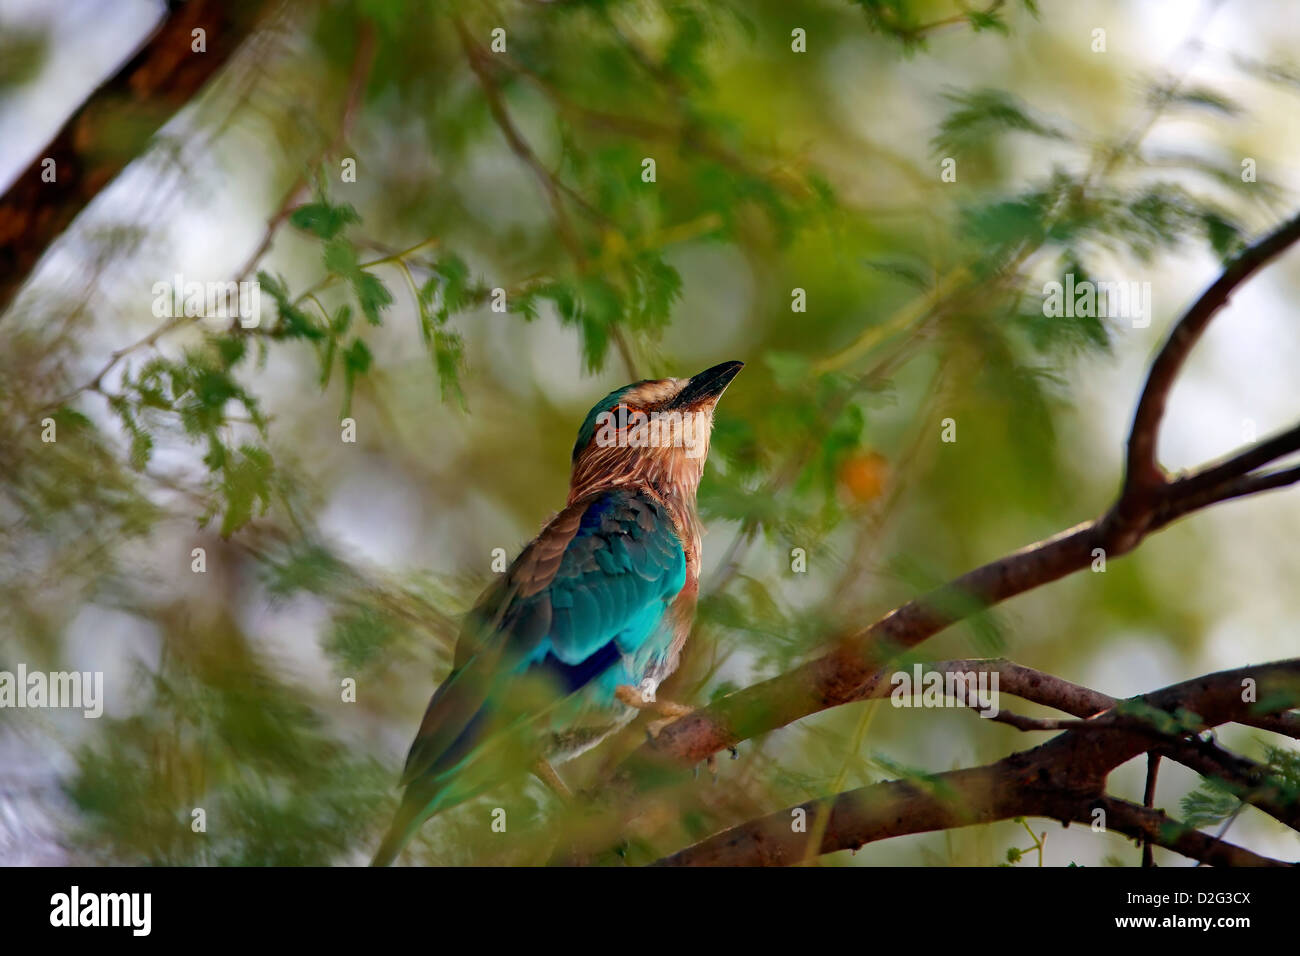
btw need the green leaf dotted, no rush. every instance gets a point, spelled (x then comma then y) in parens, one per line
(981, 20)
(983, 114)
(356, 358)
(342, 320)
(372, 295)
(1208, 805)
(657, 286)
(323, 219)
(293, 323)
(340, 258)
(449, 356)
(454, 273)
(359, 636)
(914, 274)
(1198, 97)
(245, 487)
(141, 449)
(1006, 223)
(356, 361)
(1224, 237)
(525, 305)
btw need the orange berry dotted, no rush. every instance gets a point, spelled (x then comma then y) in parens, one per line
(864, 476)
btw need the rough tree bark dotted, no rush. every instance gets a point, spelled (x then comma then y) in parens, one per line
(1063, 779)
(113, 127)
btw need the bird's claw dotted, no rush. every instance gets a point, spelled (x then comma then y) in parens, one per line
(630, 696)
(711, 761)
(667, 710)
(656, 727)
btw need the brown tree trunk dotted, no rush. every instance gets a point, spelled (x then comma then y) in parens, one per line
(114, 126)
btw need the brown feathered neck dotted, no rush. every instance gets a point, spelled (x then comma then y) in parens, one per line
(646, 458)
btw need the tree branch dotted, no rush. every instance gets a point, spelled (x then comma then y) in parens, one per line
(1247, 778)
(153, 85)
(1143, 475)
(1062, 779)
(359, 75)
(550, 184)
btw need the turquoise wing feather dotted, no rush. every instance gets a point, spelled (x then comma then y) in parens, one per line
(579, 612)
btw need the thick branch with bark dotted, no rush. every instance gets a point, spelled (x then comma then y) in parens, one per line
(1063, 779)
(1246, 778)
(113, 127)
(359, 75)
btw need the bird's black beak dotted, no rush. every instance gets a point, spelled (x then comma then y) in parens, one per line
(707, 386)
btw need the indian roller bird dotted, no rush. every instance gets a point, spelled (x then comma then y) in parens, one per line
(576, 636)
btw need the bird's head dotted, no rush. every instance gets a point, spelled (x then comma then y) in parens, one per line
(652, 433)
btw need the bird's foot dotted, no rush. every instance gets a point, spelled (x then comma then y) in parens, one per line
(632, 697)
(655, 727)
(667, 710)
(711, 761)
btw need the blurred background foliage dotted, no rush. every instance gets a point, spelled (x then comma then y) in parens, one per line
(785, 168)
